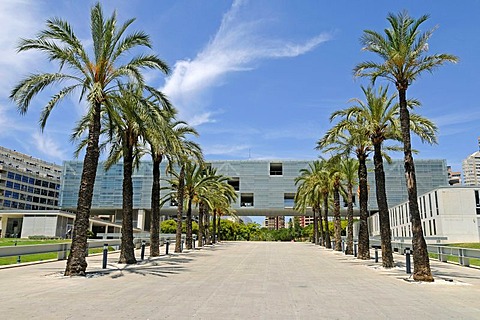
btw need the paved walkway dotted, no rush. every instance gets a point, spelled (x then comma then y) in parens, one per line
(239, 280)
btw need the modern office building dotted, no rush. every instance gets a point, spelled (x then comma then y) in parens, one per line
(28, 183)
(448, 215)
(264, 187)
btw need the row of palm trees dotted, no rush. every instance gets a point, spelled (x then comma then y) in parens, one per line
(127, 118)
(366, 126)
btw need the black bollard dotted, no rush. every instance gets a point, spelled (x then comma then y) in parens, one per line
(142, 254)
(376, 254)
(203, 240)
(181, 246)
(105, 253)
(193, 242)
(407, 260)
(167, 244)
(355, 249)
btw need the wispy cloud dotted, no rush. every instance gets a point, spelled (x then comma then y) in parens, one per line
(228, 150)
(455, 123)
(237, 46)
(47, 146)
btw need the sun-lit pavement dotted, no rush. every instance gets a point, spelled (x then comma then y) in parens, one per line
(239, 280)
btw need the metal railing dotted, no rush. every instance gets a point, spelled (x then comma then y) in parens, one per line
(442, 252)
(61, 249)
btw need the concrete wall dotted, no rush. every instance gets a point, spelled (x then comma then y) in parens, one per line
(39, 225)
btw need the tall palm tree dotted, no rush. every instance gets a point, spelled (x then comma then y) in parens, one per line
(130, 116)
(403, 51)
(187, 151)
(163, 142)
(349, 168)
(95, 78)
(309, 195)
(336, 178)
(346, 137)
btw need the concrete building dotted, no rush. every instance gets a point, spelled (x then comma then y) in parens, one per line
(28, 183)
(48, 223)
(448, 215)
(264, 187)
(305, 221)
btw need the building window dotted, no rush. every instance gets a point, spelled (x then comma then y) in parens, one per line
(288, 200)
(477, 201)
(246, 200)
(430, 204)
(436, 202)
(235, 183)
(434, 227)
(430, 226)
(276, 169)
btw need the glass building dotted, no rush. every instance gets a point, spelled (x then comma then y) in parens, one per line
(264, 187)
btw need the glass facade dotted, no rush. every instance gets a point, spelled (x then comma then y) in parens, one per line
(260, 184)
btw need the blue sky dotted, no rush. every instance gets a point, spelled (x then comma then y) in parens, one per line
(258, 79)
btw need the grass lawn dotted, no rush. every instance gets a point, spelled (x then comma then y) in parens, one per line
(36, 257)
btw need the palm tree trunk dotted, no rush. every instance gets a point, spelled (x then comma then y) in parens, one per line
(421, 262)
(208, 238)
(127, 251)
(181, 185)
(218, 227)
(320, 226)
(336, 213)
(349, 248)
(76, 263)
(385, 233)
(214, 226)
(201, 229)
(363, 236)
(189, 237)
(155, 223)
(328, 243)
(315, 227)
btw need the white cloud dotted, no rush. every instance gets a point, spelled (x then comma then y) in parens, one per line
(236, 46)
(219, 149)
(47, 146)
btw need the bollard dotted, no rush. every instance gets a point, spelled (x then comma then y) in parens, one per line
(19, 259)
(203, 240)
(407, 260)
(167, 244)
(193, 243)
(181, 246)
(343, 246)
(142, 253)
(105, 253)
(376, 254)
(355, 249)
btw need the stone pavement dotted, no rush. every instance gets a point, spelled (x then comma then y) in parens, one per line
(240, 280)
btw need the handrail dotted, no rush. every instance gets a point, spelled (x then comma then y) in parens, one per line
(61, 248)
(464, 254)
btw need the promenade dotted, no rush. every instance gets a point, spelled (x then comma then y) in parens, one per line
(240, 280)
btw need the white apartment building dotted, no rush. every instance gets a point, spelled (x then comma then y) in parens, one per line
(471, 169)
(448, 215)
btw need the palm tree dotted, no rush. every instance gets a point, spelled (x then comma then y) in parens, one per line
(95, 77)
(163, 143)
(346, 137)
(129, 118)
(349, 168)
(224, 196)
(309, 195)
(336, 178)
(403, 53)
(187, 151)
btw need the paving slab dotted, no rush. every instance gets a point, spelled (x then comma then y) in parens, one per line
(240, 280)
